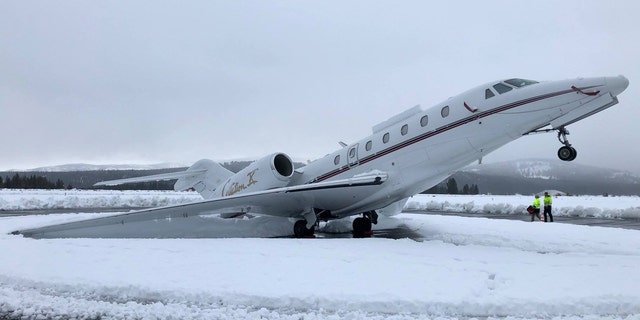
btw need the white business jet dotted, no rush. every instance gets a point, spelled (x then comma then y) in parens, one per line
(405, 155)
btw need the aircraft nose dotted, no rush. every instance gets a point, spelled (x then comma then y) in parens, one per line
(617, 84)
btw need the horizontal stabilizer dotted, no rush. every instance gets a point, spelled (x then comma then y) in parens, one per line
(155, 177)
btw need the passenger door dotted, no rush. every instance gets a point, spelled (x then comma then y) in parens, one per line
(352, 155)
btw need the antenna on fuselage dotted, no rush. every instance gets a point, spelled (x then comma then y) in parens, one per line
(342, 144)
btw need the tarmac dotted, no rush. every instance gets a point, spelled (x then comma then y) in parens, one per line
(399, 232)
(633, 224)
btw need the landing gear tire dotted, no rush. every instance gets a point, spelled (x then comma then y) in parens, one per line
(362, 228)
(300, 229)
(567, 153)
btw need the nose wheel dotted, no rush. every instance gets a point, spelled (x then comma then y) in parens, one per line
(566, 152)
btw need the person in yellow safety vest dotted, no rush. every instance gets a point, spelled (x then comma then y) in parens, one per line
(536, 208)
(547, 207)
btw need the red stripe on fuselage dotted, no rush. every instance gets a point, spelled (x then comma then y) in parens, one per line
(442, 130)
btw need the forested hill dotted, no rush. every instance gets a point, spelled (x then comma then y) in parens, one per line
(85, 179)
(512, 177)
(534, 175)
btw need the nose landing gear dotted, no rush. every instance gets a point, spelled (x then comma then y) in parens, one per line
(566, 152)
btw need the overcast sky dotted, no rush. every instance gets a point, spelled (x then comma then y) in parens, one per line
(108, 82)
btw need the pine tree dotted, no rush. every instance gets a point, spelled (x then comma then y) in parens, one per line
(432, 190)
(17, 182)
(452, 186)
(29, 182)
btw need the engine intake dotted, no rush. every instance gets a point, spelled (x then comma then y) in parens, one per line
(272, 171)
(283, 165)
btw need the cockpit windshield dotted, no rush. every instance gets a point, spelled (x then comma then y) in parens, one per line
(501, 87)
(518, 83)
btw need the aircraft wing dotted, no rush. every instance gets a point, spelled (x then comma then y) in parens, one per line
(284, 202)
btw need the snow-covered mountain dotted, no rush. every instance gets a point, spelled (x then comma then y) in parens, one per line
(511, 177)
(97, 167)
(547, 169)
(533, 175)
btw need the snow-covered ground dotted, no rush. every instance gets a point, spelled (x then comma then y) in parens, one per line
(460, 267)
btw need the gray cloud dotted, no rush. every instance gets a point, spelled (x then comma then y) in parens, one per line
(149, 81)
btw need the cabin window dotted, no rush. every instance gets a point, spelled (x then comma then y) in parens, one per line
(404, 129)
(488, 94)
(336, 160)
(424, 121)
(352, 152)
(385, 138)
(368, 145)
(445, 112)
(501, 88)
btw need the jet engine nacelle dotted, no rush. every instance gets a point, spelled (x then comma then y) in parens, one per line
(272, 171)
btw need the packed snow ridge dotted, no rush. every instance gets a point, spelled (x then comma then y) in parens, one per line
(15, 199)
(582, 206)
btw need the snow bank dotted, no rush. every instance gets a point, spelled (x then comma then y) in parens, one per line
(580, 206)
(16, 199)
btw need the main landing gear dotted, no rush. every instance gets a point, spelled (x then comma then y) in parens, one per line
(362, 225)
(566, 152)
(300, 229)
(306, 227)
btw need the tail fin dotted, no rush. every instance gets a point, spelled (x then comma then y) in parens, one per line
(207, 176)
(204, 176)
